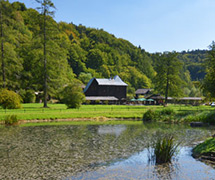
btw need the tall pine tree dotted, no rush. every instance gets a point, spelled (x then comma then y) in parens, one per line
(46, 5)
(209, 80)
(55, 45)
(167, 80)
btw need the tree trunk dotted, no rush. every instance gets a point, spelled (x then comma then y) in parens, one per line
(2, 52)
(45, 62)
(167, 88)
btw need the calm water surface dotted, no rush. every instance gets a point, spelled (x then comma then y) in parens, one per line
(97, 152)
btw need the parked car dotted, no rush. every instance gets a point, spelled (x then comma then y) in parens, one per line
(213, 104)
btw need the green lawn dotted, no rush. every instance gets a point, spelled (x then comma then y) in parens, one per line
(59, 111)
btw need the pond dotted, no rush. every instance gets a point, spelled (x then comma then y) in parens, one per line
(97, 152)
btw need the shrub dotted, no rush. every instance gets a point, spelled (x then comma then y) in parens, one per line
(167, 111)
(205, 117)
(9, 99)
(106, 102)
(87, 102)
(11, 120)
(190, 118)
(97, 101)
(209, 118)
(72, 95)
(149, 115)
(28, 96)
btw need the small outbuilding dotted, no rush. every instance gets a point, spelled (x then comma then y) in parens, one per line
(142, 92)
(191, 100)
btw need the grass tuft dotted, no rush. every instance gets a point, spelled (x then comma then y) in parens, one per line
(11, 120)
(163, 149)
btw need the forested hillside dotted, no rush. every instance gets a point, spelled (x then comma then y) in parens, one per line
(76, 52)
(194, 62)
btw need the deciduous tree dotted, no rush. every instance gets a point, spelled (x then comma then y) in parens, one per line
(72, 95)
(13, 34)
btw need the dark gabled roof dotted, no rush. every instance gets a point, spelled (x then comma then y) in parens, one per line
(155, 97)
(101, 98)
(142, 91)
(116, 81)
(88, 84)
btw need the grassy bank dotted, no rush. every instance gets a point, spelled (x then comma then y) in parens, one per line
(183, 115)
(100, 112)
(60, 123)
(205, 149)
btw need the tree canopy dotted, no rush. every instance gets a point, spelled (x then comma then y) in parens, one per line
(209, 80)
(32, 60)
(167, 79)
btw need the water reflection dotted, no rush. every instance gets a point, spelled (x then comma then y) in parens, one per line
(166, 171)
(114, 130)
(90, 152)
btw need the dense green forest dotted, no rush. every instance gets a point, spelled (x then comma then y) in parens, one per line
(78, 53)
(194, 63)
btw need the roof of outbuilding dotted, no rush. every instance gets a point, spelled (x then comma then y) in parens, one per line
(192, 98)
(142, 91)
(155, 97)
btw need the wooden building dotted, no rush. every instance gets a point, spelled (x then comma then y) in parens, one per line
(142, 92)
(106, 89)
(191, 100)
(158, 99)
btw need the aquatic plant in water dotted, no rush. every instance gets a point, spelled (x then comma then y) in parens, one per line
(163, 149)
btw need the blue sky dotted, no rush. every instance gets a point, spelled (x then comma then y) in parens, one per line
(155, 25)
